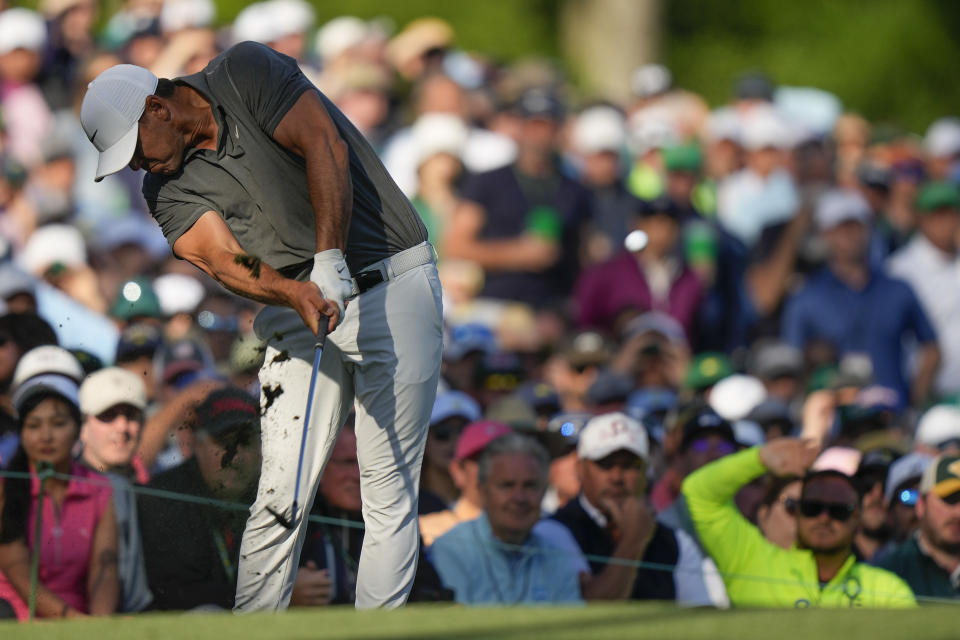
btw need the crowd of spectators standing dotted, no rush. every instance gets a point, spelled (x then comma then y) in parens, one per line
(700, 353)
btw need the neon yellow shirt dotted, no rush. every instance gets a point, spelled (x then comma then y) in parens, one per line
(757, 572)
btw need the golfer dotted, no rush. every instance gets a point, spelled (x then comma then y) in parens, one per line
(260, 181)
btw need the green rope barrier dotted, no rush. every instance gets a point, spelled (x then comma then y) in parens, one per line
(325, 520)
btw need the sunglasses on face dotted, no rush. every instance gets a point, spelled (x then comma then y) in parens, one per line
(908, 497)
(130, 413)
(952, 443)
(953, 499)
(625, 465)
(838, 511)
(704, 445)
(444, 432)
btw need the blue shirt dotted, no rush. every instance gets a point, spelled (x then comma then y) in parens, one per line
(482, 570)
(873, 321)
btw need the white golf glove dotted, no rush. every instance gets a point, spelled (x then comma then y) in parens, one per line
(331, 274)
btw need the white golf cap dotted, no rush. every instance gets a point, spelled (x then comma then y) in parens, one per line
(435, 133)
(764, 128)
(943, 138)
(339, 35)
(186, 14)
(108, 388)
(178, 293)
(650, 80)
(599, 129)
(53, 244)
(111, 109)
(734, 397)
(939, 424)
(610, 432)
(841, 205)
(47, 359)
(21, 29)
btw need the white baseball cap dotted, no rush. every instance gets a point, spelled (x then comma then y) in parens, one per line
(599, 129)
(943, 138)
(609, 432)
(939, 424)
(841, 205)
(109, 387)
(21, 29)
(111, 109)
(339, 35)
(734, 397)
(47, 359)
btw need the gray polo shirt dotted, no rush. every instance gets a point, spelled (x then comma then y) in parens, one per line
(260, 188)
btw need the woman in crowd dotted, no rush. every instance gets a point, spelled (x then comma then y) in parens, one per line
(78, 534)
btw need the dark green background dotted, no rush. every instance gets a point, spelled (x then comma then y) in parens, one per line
(894, 61)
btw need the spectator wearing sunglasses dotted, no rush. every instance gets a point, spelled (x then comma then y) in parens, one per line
(929, 561)
(452, 411)
(611, 518)
(704, 437)
(821, 569)
(777, 513)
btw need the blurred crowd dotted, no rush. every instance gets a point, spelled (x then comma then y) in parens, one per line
(645, 303)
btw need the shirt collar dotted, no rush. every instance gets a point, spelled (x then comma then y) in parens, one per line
(198, 82)
(83, 481)
(595, 514)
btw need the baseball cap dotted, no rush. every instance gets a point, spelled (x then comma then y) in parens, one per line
(178, 293)
(182, 356)
(943, 138)
(610, 387)
(108, 388)
(766, 129)
(753, 85)
(52, 245)
(468, 338)
(685, 157)
(21, 29)
(843, 460)
(650, 80)
(937, 195)
(587, 349)
(655, 322)
(942, 476)
(540, 103)
(435, 133)
(598, 129)
(610, 432)
(910, 466)
(136, 298)
(774, 359)
(137, 340)
(225, 409)
(659, 206)
(476, 436)
(45, 383)
(707, 369)
(837, 206)
(939, 424)
(454, 403)
(47, 359)
(111, 111)
(734, 397)
(541, 396)
(704, 422)
(339, 35)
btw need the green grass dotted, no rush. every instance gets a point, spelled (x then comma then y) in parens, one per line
(445, 621)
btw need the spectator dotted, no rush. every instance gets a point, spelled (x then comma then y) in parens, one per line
(930, 265)
(112, 401)
(938, 430)
(655, 277)
(191, 549)
(820, 570)
(901, 495)
(78, 572)
(499, 558)
(522, 222)
(929, 560)
(464, 469)
(452, 411)
(874, 312)
(777, 514)
(611, 518)
(874, 531)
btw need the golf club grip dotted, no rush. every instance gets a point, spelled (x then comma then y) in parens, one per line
(321, 332)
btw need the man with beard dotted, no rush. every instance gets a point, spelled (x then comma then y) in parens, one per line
(821, 569)
(874, 529)
(929, 561)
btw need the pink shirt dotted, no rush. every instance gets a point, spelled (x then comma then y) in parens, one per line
(66, 540)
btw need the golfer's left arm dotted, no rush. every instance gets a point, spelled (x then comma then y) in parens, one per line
(308, 131)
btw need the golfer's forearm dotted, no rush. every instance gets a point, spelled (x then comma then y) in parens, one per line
(247, 276)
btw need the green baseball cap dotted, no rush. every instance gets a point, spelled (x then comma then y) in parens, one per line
(136, 298)
(942, 476)
(937, 195)
(707, 369)
(682, 158)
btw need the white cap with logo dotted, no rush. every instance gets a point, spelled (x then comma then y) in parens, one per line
(111, 109)
(610, 432)
(109, 387)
